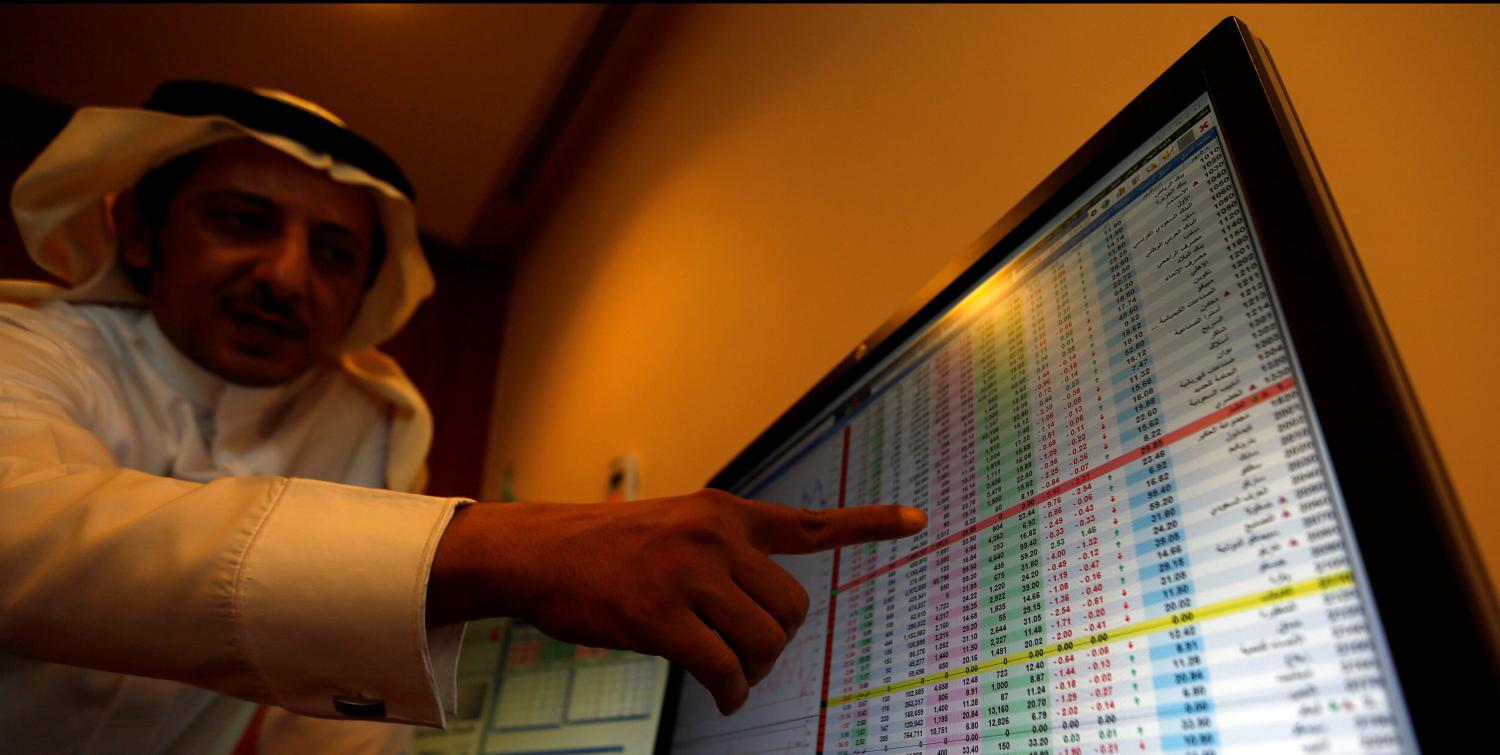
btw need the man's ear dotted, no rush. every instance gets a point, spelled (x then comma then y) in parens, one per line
(132, 229)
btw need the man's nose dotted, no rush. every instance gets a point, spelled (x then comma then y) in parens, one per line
(285, 264)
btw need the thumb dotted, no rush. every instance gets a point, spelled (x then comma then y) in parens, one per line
(783, 529)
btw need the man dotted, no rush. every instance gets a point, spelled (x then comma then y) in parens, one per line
(194, 436)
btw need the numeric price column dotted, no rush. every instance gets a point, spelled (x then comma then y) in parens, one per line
(1008, 478)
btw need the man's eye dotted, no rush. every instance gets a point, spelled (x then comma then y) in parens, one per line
(239, 221)
(335, 256)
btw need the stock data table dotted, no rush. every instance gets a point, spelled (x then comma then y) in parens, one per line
(1134, 541)
(1132, 544)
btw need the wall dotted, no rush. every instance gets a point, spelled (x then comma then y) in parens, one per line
(780, 179)
(398, 73)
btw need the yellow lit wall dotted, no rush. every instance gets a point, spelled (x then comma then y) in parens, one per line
(781, 179)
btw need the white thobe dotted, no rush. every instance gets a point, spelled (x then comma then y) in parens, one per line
(164, 533)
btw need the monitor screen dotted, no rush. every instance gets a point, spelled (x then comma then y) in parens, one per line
(1136, 541)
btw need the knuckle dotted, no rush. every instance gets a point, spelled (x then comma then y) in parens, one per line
(702, 520)
(721, 665)
(761, 658)
(812, 523)
(772, 641)
(801, 604)
(716, 496)
(763, 638)
(707, 533)
(655, 603)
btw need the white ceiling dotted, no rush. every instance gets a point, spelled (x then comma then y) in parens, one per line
(453, 92)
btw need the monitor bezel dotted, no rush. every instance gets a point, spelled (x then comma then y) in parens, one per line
(1422, 566)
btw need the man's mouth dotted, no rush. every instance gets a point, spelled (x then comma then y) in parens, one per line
(260, 320)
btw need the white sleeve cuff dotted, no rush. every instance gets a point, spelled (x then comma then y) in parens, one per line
(330, 602)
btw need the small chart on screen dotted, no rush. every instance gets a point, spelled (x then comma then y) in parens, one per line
(521, 691)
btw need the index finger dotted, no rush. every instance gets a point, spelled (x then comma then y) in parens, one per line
(784, 529)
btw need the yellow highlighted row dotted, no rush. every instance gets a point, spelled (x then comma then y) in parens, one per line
(1180, 618)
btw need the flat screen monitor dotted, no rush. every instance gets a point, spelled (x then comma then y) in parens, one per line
(1179, 495)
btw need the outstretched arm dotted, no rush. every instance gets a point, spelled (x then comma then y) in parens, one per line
(688, 578)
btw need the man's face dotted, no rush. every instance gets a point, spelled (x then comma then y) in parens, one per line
(260, 263)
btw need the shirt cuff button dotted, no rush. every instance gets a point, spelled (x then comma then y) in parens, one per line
(359, 707)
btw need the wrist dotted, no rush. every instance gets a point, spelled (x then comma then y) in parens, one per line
(470, 570)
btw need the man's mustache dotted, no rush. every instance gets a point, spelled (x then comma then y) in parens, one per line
(264, 307)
